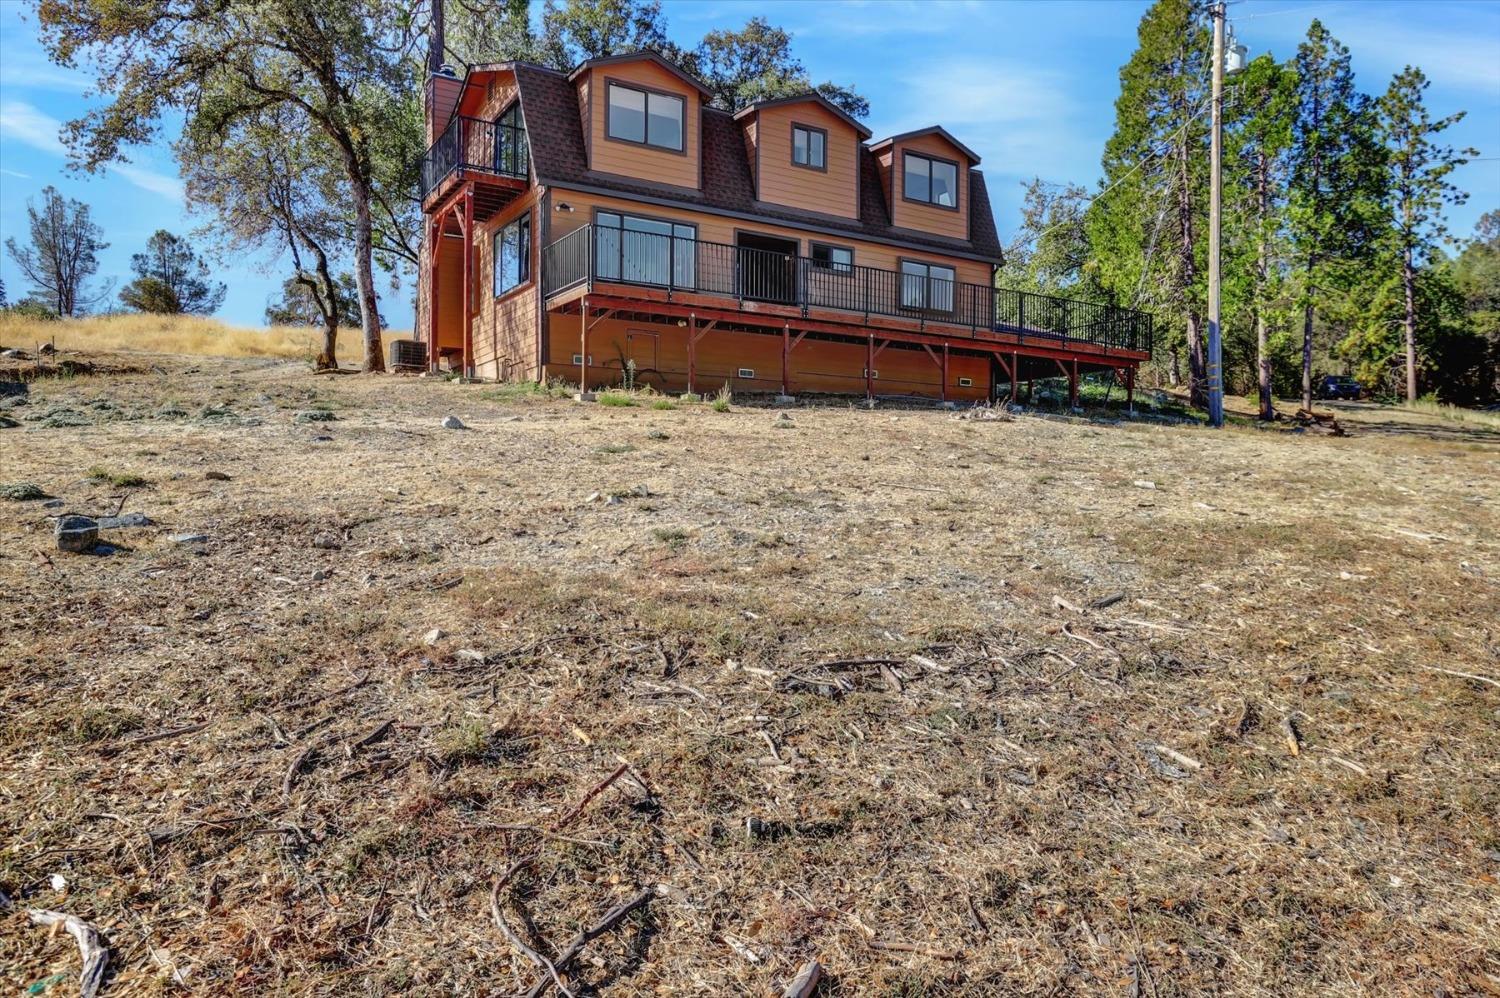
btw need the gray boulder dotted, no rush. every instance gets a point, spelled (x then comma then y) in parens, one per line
(76, 533)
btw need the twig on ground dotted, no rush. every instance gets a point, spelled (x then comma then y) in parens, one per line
(595, 791)
(611, 918)
(90, 946)
(805, 982)
(1463, 675)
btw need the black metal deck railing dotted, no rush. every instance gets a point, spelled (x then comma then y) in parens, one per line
(476, 146)
(596, 253)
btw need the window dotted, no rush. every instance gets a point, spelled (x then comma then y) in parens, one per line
(511, 156)
(645, 117)
(644, 250)
(839, 259)
(931, 181)
(809, 147)
(512, 257)
(926, 286)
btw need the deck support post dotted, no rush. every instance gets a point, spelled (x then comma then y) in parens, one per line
(692, 353)
(583, 350)
(870, 368)
(1073, 384)
(468, 293)
(1130, 390)
(943, 393)
(786, 359)
(434, 248)
(1015, 371)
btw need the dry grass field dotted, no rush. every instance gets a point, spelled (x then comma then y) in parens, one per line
(1041, 706)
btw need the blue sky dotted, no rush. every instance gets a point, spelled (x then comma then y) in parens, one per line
(1029, 85)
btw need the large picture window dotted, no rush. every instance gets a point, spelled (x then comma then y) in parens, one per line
(931, 181)
(512, 255)
(926, 286)
(645, 117)
(640, 250)
(809, 147)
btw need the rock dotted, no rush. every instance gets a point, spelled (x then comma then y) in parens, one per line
(76, 533)
(328, 541)
(592, 497)
(216, 476)
(1142, 483)
(643, 491)
(469, 655)
(187, 538)
(47, 349)
(53, 504)
(128, 520)
(785, 417)
(322, 575)
(314, 416)
(433, 636)
(321, 438)
(13, 354)
(453, 423)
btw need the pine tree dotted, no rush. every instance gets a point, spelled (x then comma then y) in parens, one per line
(1258, 163)
(1335, 186)
(1418, 190)
(1146, 227)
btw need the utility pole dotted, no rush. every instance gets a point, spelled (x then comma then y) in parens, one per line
(1215, 210)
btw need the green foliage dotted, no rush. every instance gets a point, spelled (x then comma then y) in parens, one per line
(298, 305)
(1051, 252)
(756, 64)
(1146, 232)
(171, 279)
(63, 255)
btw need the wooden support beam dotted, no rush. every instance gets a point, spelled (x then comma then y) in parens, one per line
(870, 367)
(881, 348)
(1015, 372)
(583, 347)
(604, 313)
(1073, 384)
(692, 353)
(468, 288)
(798, 339)
(786, 358)
(1130, 390)
(943, 392)
(435, 246)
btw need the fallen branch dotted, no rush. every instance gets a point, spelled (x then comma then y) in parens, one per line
(1068, 632)
(90, 946)
(597, 789)
(805, 982)
(290, 779)
(611, 918)
(1463, 675)
(157, 736)
(541, 962)
(922, 948)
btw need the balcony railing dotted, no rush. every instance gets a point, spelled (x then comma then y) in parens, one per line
(675, 263)
(477, 146)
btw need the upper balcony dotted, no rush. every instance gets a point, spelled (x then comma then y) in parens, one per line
(494, 152)
(668, 267)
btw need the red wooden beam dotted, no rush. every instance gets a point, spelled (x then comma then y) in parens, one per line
(468, 289)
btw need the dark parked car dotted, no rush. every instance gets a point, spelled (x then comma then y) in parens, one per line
(1339, 386)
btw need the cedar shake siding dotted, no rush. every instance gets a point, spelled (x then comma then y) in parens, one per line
(749, 263)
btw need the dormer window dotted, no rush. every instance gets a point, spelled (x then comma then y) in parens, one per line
(928, 180)
(809, 147)
(644, 117)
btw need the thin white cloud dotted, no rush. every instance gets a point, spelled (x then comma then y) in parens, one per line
(26, 68)
(24, 123)
(15, 173)
(1468, 59)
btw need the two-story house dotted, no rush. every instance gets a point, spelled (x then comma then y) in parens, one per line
(609, 220)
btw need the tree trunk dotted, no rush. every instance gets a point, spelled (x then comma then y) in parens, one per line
(1197, 370)
(435, 38)
(1262, 266)
(1307, 344)
(364, 276)
(1408, 285)
(1176, 368)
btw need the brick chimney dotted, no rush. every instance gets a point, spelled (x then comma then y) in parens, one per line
(443, 89)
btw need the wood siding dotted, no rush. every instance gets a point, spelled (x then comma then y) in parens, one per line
(718, 229)
(505, 328)
(833, 191)
(629, 159)
(816, 365)
(922, 217)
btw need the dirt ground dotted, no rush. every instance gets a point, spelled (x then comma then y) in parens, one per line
(970, 707)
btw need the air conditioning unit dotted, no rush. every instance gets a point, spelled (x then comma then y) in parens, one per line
(408, 355)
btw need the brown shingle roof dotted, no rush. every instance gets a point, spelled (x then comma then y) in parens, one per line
(549, 105)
